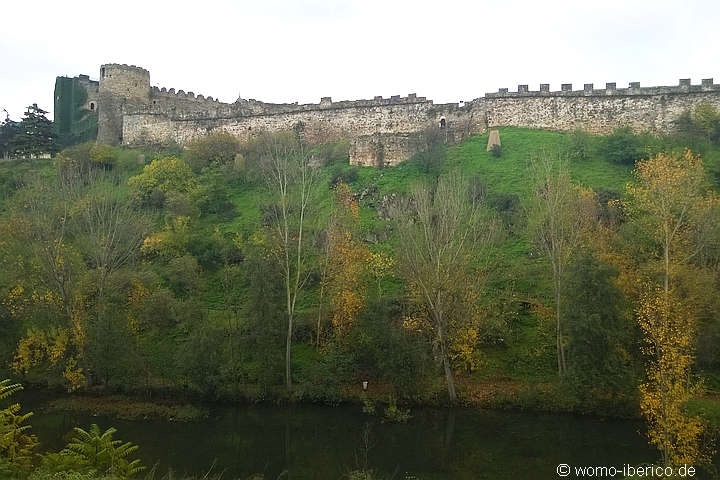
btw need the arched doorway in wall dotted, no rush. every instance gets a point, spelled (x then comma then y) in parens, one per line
(443, 123)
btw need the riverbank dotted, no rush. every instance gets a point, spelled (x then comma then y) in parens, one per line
(546, 397)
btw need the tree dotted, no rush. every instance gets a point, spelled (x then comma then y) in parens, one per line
(596, 327)
(669, 330)
(8, 131)
(52, 271)
(441, 234)
(668, 201)
(343, 263)
(622, 147)
(559, 214)
(214, 150)
(111, 231)
(292, 184)
(35, 136)
(348, 262)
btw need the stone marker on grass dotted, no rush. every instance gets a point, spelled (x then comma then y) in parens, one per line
(493, 139)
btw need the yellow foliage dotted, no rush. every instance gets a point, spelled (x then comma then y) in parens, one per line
(31, 351)
(347, 263)
(171, 242)
(74, 374)
(669, 329)
(462, 349)
(57, 348)
(14, 302)
(138, 293)
(416, 323)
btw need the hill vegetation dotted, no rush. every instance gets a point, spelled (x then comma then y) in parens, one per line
(565, 272)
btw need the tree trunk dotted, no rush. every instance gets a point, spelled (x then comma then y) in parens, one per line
(449, 377)
(562, 365)
(288, 345)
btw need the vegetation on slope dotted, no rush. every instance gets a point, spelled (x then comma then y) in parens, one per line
(194, 300)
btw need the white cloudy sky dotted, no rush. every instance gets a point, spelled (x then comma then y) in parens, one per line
(285, 51)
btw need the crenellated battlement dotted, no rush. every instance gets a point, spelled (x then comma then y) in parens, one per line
(133, 112)
(326, 103)
(163, 92)
(634, 88)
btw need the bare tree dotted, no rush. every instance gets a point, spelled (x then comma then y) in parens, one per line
(441, 233)
(559, 214)
(292, 184)
(48, 213)
(111, 231)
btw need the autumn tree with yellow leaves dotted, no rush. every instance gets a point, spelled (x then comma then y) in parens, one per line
(347, 261)
(46, 278)
(669, 201)
(441, 233)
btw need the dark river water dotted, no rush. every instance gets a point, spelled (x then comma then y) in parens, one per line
(315, 442)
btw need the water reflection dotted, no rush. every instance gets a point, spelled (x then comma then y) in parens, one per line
(327, 443)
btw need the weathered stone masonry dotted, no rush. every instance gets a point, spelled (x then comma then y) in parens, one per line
(383, 132)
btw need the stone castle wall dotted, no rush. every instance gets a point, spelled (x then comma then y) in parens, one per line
(132, 112)
(598, 111)
(322, 122)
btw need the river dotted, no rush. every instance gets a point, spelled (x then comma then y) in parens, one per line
(317, 442)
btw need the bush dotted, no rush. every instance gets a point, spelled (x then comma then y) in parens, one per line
(701, 124)
(214, 195)
(344, 174)
(496, 150)
(103, 155)
(162, 176)
(622, 147)
(578, 146)
(213, 150)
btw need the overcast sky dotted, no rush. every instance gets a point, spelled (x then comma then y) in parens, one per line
(286, 51)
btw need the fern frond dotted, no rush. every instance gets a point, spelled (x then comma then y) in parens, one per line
(7, 388)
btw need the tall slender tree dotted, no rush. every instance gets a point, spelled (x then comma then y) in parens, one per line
(557, 218)
(292, 184)
(669, 201)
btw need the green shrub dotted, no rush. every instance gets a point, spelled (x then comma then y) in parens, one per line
(622, 147)
(213, 150)
(395, 414)
(578, 146)
(162, 176)
(496, 150)
(103, 155)
(344, 174)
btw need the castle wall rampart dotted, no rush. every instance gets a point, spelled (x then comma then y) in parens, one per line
(132, 112)
(634, 89)
(595, 113)
(320, 124)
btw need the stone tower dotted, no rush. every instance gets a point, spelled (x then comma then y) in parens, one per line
(122, 87)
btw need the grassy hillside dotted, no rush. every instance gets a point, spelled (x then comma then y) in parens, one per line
(516, 342)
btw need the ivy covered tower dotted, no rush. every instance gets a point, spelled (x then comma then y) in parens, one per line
(75, 112)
